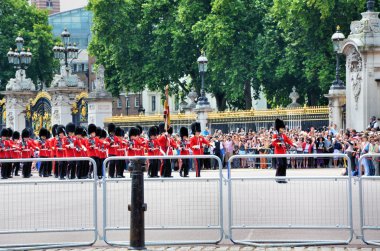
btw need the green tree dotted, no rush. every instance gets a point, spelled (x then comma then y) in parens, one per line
(296, 48)
(17, 17)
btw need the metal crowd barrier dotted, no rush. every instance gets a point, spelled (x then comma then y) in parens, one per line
(369, 197)
(173, 204)
(37, 207)
(259, 204)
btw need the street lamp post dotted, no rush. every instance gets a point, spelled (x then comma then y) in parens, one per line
(202, 65)
(337, 39)
(66, 50)
(19, 58)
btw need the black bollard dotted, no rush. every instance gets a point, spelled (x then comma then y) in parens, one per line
(137, 207)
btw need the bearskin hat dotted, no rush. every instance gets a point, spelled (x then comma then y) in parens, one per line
(118, 132)
(91, 128)
(4, 132)
(16, 135)
(152, 131)
(111, 128)
(103, 134)
(183, 132)
(54, 130)
(84, 132)
(61, 129)
(10, 132)
(98, 131)
(195, 127)
(43, 132)
(279, 124)
(70, 127)
(161, 128)
(140, 128)
(48, 135)
(170, 130)
(25, 133)
(133, 132)
(79, 130)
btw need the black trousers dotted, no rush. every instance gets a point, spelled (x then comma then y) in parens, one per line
(281, 167)
(111, 167)
(80, 170)
(62, 166)
(185, 167)
(27, 169)
(4, 170)
(71, 169)
(93, 169)
(154, 165)
(120, 166)
(56, 169)
(167, 168)
(16, 166)
(198, 167)
(100, 167)
(43, 168)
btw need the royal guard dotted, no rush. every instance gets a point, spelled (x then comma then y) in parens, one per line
(112, 150)
(103, 149)
(153, 149)
(16, 153)
(184, 151)
(43, 145)
(70, 150)
(166, 148)
(3, 154)
(280, 142)
(92, 147)
(79, 148)
(61, 151)
(196, 144)
(27, 151)
(53, 149)
(121, 151)
(9, 150)
(86, 164)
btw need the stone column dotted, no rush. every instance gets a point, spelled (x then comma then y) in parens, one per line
(16, 103)
(337, 99)
(99, 101)
(63, 91)
(19, 91)
(362, 49)
(202, 115)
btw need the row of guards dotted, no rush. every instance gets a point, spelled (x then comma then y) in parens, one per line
(307, 208)
(38, 112)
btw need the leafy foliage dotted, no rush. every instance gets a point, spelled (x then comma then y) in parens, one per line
(267, 45)
(17, 17)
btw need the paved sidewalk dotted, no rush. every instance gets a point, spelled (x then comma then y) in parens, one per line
(232, 248)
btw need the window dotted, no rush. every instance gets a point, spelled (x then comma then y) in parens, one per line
(127, 102)
(119, 104)
(153, 103)
(49, 4)
(75, 68)
(137, 101)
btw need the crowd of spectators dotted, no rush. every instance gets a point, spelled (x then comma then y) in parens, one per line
(322, 140)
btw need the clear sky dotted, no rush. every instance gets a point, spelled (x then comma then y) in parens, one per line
(72, 4)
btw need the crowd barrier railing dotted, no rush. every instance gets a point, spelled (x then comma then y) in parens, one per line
(369, 197)
(173, 204)
(304, 203)
(47, 206)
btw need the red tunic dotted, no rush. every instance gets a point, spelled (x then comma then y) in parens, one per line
(167, 144)
(60, 147)
(113, 141)
(70, 146)
(92, 146)
(27, 148)
(152, 147)
(44, 146)
(135, 148)
(16, 152)
(184, 146)
(103, 148)
(198, 143)
(279, 144)
(120, 151)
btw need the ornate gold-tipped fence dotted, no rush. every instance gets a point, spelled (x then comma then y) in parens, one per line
(304, 117)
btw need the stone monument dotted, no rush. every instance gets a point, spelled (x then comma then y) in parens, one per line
(18, 92)
(63, 89)
(294, 96)
(99, 100)
(362, 50)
